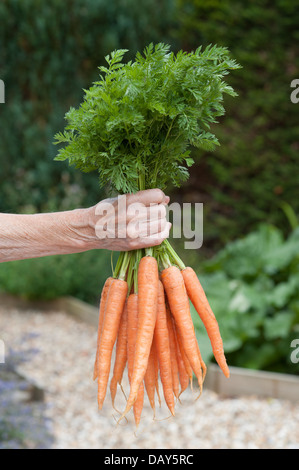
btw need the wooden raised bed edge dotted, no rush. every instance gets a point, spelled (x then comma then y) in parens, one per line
(241, 382)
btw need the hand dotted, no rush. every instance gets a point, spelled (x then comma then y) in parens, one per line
(124, 223)
(131, 221)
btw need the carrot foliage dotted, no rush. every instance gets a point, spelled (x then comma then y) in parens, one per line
(136, 127)
(138, 122)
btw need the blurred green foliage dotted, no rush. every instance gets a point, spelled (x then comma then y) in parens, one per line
(252, 286)
(245, 180)
(49, 52)
(81, 275)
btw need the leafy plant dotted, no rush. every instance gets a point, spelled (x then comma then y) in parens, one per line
(53, 276)
(253, 286)
(137, 123)
(255, 168)
(135, 127)
(66, 42)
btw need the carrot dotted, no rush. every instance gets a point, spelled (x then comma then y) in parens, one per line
(132, 310)
(101, 318)
(203, 366)
(161, 340)
(150, 378)
(185, 360)
(156, 370)
(138, 404)
(114, 307)
(179, 305)
(120, 355)
(202, 306)
(148, 278)
(183, 375)
(173, 355)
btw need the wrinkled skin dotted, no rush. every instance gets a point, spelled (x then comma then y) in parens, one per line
(125, 223)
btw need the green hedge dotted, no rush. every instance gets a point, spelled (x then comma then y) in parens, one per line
(256, 168)
(49, 52)
(81, 275)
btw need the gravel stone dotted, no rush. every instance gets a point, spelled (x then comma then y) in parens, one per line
(63, 367)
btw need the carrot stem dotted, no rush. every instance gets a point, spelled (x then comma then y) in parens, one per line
(124, 265)
(149, 251)
(118, 264)
(130, 275)
(165, 261)
(172, 254)
(138, 257)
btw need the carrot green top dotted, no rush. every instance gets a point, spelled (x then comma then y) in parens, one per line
(138, 122)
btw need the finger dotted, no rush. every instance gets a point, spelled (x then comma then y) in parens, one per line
(137, 210)
(152, 240)
(148, 196)
(140, 212)
(137, 215)
(157, 211)
(156, 226)
(142, 229)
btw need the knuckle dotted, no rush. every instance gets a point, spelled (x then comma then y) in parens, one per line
(159, 194)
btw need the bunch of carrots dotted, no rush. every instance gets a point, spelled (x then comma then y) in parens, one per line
(145, 313)
(136, 126)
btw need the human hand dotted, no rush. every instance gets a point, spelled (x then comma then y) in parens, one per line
(130, 221)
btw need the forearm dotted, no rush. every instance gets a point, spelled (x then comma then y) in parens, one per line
(36, 235)
(24, 236)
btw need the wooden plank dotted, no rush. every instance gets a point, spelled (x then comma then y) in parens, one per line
(70, 305)
(253, 382)
(241, 382)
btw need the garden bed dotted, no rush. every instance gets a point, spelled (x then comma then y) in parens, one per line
(242, 381)
(62, 367)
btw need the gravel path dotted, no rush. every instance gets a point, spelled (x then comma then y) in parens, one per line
(63, 366)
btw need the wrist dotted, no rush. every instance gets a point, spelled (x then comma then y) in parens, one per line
(81, 228)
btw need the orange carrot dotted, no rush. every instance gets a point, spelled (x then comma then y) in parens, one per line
(173, 355)
(101, 318)
(203, 366)
(114, 307)
(150, 378)
(161, 339)
(179, 305)
(120, 355)
(148, 278)
(132, 310)
(183, 375)
(156, 370)
(186, 362)
(201, 304)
